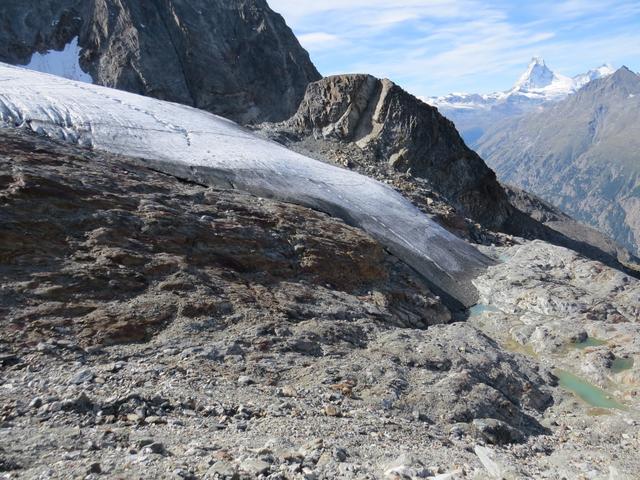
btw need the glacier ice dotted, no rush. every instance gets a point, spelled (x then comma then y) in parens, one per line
(202, 147)
(65, 63)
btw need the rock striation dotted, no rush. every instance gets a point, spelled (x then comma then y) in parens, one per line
(392, 130)
(236, 58)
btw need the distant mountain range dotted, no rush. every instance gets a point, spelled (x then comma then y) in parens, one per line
(474, 113)
(582, 154)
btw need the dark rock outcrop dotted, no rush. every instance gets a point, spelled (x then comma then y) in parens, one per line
(392, 130)
(235, 58)
(113, 252)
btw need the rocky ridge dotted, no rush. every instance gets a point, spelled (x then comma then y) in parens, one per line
(389, 129)
(235, 58)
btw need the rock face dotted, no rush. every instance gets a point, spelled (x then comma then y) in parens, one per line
(389, 129)
(581, 155)
(236, 58)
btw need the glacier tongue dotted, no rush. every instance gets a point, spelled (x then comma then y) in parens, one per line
(206, 148)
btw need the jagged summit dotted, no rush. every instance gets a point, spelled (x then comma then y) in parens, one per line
(474, 113)
(537, 75)
(392, 129)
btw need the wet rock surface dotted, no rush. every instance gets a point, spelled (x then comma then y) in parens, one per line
(247, 338)
(235, 58)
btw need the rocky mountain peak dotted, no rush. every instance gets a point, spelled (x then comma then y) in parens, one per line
(537, 75)
(622, 83)
(624, 75)
(392, 129)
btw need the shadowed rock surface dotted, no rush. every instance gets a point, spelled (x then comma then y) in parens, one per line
(235, 58)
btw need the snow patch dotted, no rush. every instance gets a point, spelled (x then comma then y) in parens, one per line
(63, 64)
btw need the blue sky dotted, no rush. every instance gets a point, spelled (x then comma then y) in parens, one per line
(434, 47)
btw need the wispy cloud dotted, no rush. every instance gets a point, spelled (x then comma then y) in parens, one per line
(319, 40)
(433, 47)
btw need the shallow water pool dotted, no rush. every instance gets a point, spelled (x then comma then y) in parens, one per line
(594, 396)
(589, 342)
(480, 308)
(621, 364)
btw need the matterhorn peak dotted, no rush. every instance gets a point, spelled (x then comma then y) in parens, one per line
(537, 61)
(536, 76)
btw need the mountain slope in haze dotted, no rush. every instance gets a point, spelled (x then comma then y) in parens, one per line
(581, 154)
(473, 114)
(235, 58)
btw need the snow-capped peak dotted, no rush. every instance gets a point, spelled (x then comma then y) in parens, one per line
(536, 85)
(536, 77)
(602, 71)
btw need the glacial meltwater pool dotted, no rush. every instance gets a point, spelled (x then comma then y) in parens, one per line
(589, 342)
(480, 308)
(621, 364)
(587, 392)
